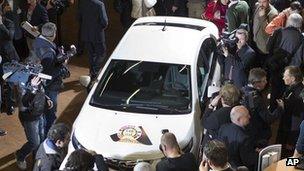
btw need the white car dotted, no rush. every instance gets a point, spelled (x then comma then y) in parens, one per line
(155, 80)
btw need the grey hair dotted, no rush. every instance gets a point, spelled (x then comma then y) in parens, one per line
(237, 112)
(49, 29)
(294, 20)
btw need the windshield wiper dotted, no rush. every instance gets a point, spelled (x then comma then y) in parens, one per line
(154, 107)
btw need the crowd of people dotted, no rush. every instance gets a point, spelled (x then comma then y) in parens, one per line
(34, 95)
(262, 79)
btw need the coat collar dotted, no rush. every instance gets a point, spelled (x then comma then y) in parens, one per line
(50, 147)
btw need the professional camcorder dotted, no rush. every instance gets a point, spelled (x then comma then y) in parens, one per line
(58, 5)
(229, 40)
(63, 56)
(19, 73)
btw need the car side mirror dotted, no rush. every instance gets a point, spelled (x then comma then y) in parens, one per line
(84, 80)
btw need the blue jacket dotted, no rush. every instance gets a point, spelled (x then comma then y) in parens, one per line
(47, 52)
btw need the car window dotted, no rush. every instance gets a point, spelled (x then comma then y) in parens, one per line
(144, 87)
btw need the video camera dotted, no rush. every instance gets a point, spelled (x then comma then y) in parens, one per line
(58, 5)
(63, 56)
(229, 40)
(19, 73)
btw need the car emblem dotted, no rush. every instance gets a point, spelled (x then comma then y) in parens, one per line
(131, 134)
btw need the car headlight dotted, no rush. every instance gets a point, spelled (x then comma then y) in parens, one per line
(76, 143)
(188, 147)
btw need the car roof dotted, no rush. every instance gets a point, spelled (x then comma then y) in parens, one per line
(178, 42)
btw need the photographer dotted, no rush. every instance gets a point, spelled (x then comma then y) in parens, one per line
(46, 50)
(261, 118)
(32, 104)
(237, 64)
(174, 158)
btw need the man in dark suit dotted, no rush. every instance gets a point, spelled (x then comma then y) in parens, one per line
(240, 150)
(238, 64)
(36, 15)
(93, 21)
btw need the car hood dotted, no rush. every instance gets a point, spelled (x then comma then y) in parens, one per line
(129, 136)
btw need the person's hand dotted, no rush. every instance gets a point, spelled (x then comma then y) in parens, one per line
(34, 29)
(204, 166)
(35, 81)
(215, 101)
(225, 51)
(174, 8)
(240, 43)
(280, 103)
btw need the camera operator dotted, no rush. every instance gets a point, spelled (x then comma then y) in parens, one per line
(46, 50)
(8, 53)
(174, 158)
(32, 104)
(237, 64)
(261, 118)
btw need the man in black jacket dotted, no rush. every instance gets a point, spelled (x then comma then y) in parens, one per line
(93, 21)
(294, 109)
(50, 153)
(213, 119)
(32, 103)
(240, 148)
(261, 118)
(284, 47)
(174, 159)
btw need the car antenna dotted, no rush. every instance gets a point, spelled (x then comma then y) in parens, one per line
(164, 28)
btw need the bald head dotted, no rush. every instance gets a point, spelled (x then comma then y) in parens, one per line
(169, 140)
(240, 115)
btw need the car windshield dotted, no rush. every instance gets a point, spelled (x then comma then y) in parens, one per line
(144, 87)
